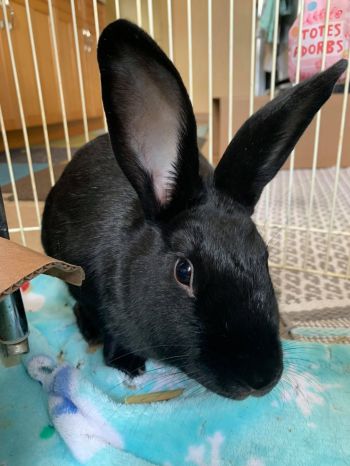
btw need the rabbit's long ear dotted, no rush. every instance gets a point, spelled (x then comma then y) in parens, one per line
(263, 143)
(150, 119)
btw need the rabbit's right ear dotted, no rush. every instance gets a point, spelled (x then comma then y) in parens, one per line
(263, 143)
(150, 119)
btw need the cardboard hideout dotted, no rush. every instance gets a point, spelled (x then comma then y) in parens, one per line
(20, 264)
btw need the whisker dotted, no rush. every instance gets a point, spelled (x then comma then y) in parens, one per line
(136, 350)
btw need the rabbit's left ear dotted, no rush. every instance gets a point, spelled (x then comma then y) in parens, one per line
(150, 119)
(263, 143)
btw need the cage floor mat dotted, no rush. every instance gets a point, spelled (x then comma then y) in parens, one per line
(314, 306)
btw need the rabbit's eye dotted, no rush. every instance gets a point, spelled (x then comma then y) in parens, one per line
(184, 272)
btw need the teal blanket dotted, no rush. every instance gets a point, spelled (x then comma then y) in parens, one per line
(64, 407)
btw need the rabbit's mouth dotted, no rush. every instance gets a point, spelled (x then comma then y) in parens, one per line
(240, 393)
(234, 394)
(229, 384)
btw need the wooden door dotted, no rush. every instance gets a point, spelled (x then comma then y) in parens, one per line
(88, 49)
(67, 57)
(46, 64)
(25, 71)
(8, 99)
(45, 58)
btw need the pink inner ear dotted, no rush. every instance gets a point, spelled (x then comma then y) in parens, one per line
(154, 125)
(161, 186)
(155, 140)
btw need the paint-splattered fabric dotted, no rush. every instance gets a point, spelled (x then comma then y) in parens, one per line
(63, 406)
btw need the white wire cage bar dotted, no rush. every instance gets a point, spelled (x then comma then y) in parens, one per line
(230, 73)
(59, 79)
(21, 111)
(272, 95)
(80, 73)
(216, 48)
(12, 178)
(40, 94)
(97, 35)
(317, 137)
(292, 155)
(210, 81)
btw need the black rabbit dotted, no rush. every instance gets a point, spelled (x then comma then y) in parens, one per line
(175, 267)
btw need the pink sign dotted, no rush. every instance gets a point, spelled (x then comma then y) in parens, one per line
(313, 37)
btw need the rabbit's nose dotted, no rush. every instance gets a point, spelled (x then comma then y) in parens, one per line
(259, 381)
(262, 383)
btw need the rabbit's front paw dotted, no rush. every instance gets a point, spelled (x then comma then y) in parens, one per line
(119, 358)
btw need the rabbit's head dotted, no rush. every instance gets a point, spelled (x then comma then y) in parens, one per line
(212, 304)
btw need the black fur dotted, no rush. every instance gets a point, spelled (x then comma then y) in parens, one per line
(104, 215)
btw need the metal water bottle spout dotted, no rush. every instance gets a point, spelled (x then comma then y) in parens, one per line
(13, 321)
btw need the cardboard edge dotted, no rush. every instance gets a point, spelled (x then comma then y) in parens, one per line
(74, 275)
